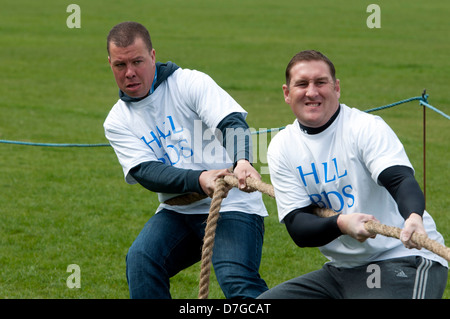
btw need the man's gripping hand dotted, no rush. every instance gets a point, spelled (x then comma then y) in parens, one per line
(243, 170)
(207, 180)
(414, 224)
(353, 225)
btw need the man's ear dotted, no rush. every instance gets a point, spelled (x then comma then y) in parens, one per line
(337, 88)
(287, 98)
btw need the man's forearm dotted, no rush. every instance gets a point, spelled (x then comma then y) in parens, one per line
(162, 178)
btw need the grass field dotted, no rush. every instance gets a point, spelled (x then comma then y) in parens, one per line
(61, 206)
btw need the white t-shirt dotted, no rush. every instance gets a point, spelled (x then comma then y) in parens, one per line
(176, 125)
(338, 168)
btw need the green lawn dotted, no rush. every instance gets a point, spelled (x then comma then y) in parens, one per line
(62, 206)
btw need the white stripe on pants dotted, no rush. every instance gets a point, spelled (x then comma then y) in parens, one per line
(420, 284)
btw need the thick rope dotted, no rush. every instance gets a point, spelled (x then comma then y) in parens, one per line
(257, 185)
(210, 234)
(394, 232)
(376, 228)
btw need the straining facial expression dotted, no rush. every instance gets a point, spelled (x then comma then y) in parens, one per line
(133, 67)
(312, 92)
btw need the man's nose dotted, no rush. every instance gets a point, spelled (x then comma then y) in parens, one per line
(130, 72)
(311, 90)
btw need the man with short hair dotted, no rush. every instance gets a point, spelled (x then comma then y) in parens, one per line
(165, 130)
(349, 161)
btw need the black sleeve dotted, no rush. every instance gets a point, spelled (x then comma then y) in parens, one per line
(310, 230)
(237, 139)
(162, 178)
(403, 187)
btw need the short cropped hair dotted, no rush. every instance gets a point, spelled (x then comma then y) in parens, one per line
(125, 33)
(309, 55)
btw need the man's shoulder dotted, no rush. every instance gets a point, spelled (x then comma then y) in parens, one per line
(356, 120)
(187, 74)
(283, 138)
(115, 114)
(355, 112)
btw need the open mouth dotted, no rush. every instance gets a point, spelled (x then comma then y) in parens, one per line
(313, 104)
(133, 85)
